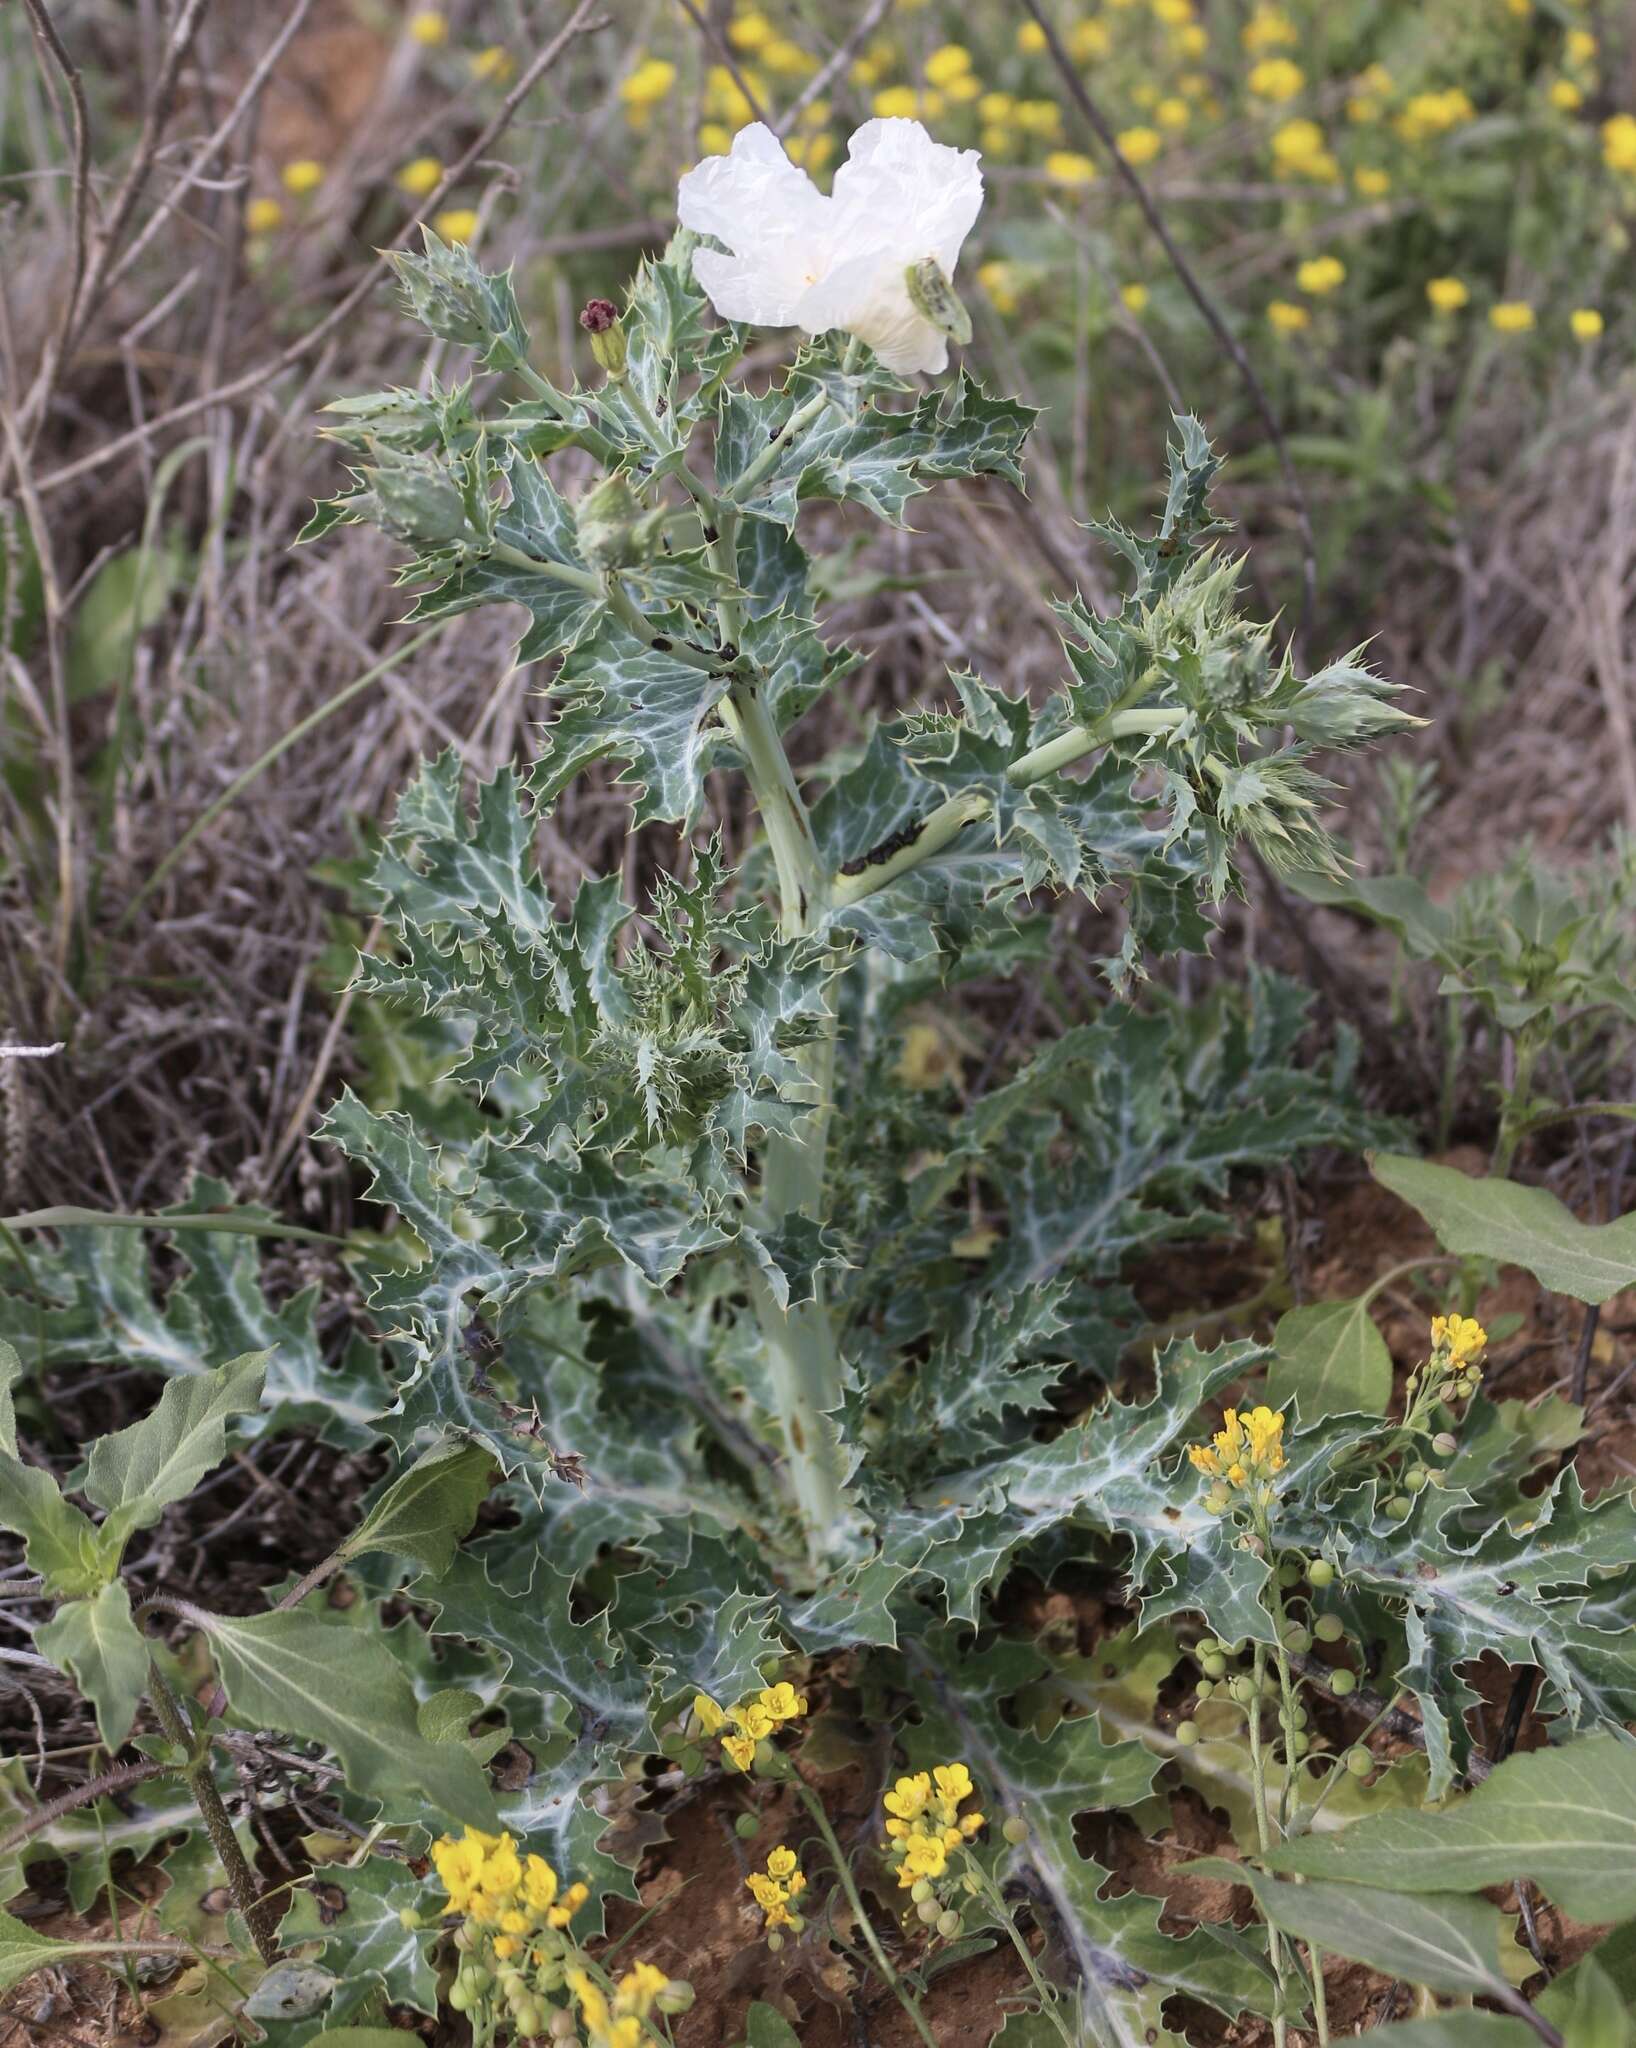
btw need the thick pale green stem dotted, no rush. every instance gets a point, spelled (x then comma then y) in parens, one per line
(950, 819)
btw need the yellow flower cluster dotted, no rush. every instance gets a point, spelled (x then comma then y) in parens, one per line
(619, 2022)
(1460, 1338)
(1619, 143)
(775, 1887)
(751, 1721)
(507, 1895)
(1247, 1450)
(1285, 317)
(925, 1823)
(1276, 79)
(641, 90)
(1428, 114)
(1320, 274)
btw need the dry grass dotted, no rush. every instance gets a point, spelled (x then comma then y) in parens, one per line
(201, 1022)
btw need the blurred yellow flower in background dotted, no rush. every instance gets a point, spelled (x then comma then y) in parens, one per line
(1276, 79)
(1619, 142)
(428, 28)
(1511, 316)
(1135, 297)
(1447, 294)
(1371, 181)
(999, 280)
(304, 175)
(1285, 318)
(261, 216)
(1320, 274)
(1031, 39)
(946, 64)
(1268, 28)
(422, 174)
(1140, 145)
(1586, 323)
(493, 66)
(456, 223)
(1068, 167)
(749, 32)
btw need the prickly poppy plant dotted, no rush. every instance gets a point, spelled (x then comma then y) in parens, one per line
(767, 1356)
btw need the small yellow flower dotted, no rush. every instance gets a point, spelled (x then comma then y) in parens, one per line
(1297, 142)
(1565, 95)
(262, 216)
(428, 28)
(715, 138)
(649, 83)
(707, 1713)
(946, 64)
(1140, 145)
(786, 59)
(492, 66)
(1511, 316)
(1276, 79)
(1371, 181)
(1088, 40)
(996, 141)
(1434, 113)
(1268, 28)
(1619, 142)
(1172, 112)
(1463, 1337)
(998, 280)
(1192, 41)
(897, 102)
(1586, 323)
(1031, 39)
(302, 176)
(996, 106)
(1580, 46)
(1247, 1448)
(1135, 297)
(422, 174)
(456, 223)
(1320, 274)
(749, 32)
(1041, 118)
(1068, 167)
(1447, 294)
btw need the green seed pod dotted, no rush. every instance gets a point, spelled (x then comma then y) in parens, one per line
(562, 2024)
(1242, 1688)
(1414, 1480)
(929, 1911)
(409, 1919)
(1399, 1507)
(1207, 1646)
(1297, 1639)
(1214, 1665)
(1015, 1830)
(1205, 1689)
(1298, 1744)
(1359, 1761)
(676, 1998)
(921, 1891)
(459, 1995)
(1445, 1444)
(529, 2018)
(747, 1827)
(1187, 1733)
(1341, 1683)
(775, 1941)
(1329, 1628)
(1320, 1572)
(949, 1925)
(1290, 1572)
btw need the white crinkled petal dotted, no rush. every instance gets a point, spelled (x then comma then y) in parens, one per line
(868, 296)
(771, 217)
(900, 190)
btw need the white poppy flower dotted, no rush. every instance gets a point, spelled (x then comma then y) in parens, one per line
(802, 260)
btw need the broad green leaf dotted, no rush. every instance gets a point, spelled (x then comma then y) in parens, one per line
(64, 1545)
(425, 1512)
(1439, 1939)
(136, 1473)
(1565, 1818)
(1471, 2029)
(1590, 2007)
(766, 2027)
(101, 1648)
(345, 1690)
(127, 595)
(1614, 1955)
(355, 1913)
(23, 1951)
(1330, 1360)
(11, 1371)
(1517, 1226)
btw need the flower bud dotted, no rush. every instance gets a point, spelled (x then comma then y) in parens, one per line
(676, 1997)
(935, 299)
(600, 319)
(415, 499)
(449, 295)
(612, 529)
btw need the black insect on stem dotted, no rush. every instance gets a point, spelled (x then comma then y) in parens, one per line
(878, 856)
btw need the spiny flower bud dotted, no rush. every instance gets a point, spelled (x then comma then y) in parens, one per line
(934, 297)
(453, 298)
(415, 499)
(612, 529)
(600, 319)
